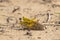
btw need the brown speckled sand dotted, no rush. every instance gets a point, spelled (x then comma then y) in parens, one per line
(40, 9)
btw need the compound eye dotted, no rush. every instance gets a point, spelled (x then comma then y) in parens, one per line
(20, 19)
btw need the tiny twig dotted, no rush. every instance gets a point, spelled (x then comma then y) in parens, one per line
(15, 9)
(4, 0)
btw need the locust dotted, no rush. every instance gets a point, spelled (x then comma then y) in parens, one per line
(31, 24)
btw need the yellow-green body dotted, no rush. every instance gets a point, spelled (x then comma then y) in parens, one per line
(28, 22)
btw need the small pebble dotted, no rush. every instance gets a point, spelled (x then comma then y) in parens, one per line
(46, 32)
(39, 37)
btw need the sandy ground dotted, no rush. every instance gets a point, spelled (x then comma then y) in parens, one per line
(45, 11)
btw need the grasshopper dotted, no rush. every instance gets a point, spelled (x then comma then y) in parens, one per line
(31, 24)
